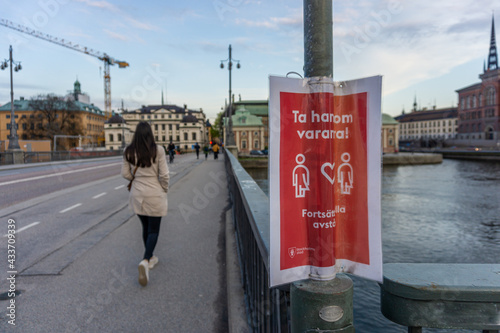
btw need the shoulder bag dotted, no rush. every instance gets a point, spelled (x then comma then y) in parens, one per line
(129, 186)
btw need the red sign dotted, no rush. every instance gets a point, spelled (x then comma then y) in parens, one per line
(320, 184)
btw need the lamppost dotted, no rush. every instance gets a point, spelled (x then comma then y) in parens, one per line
(123, 124)
(229, 125)
(13, 139)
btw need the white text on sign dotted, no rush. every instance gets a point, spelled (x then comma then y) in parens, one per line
(322, 118)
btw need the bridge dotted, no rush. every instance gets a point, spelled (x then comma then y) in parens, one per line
(77, 248)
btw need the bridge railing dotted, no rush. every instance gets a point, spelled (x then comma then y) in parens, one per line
(452, 296)
(268, 309)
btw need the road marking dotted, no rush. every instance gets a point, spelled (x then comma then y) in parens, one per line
(119, 187)
(24, 228)
(70, 208)
(57, 174)
(99, 195)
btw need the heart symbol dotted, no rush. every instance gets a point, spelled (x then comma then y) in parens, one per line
(327, 176)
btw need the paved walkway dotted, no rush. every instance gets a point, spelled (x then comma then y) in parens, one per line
(99, 291)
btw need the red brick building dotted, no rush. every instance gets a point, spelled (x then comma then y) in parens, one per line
(479, 104)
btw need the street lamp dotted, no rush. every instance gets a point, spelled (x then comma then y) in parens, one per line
(16, 66)
(229, 125)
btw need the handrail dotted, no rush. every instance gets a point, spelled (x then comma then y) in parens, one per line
(256, 205)
(268, 310)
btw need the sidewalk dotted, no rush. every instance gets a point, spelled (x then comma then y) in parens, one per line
(99, 292)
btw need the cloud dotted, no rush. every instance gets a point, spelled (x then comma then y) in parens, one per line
(274, 23)
(115, 35)
(100, 4)
(112, 8)
(420, 41)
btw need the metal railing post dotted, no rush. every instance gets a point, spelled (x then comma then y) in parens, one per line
(324, 306)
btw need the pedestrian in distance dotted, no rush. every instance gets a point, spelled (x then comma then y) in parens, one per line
(205, 150)
(215, 149)
(197, 148)
(171, 151)
(145, 166)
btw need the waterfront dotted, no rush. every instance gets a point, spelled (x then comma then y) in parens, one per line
(440, 213)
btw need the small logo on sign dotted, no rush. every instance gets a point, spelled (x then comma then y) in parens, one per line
(292, 252)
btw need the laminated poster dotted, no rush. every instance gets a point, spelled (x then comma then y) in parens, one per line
(325, 178)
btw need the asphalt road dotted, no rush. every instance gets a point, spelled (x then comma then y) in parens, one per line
(63, 212)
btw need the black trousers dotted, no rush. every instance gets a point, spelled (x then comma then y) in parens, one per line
(150, 232)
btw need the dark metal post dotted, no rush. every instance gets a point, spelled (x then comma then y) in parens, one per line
(230, 134)
(229, 122)
(318, 38)
(13, 139)
(320, 305)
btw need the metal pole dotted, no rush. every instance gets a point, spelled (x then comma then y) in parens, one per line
(318, 38)
(230, 134)
(13, 140)
(324, 306)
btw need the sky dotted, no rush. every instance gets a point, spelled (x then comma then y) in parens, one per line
(424, 49)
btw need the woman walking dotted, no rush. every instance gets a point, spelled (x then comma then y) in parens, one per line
(145, 165)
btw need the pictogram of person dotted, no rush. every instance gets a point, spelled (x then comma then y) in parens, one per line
(345, 175)
(300, 177)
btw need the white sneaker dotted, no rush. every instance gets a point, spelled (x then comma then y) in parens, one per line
(143, 273)
(152, 262)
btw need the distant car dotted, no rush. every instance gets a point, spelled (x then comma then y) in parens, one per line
(265, 151)
(256, 152)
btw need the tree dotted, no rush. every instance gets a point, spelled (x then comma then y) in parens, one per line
(52, 115)
(217, 127)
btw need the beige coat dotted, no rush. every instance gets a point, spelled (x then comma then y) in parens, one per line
(148, 195)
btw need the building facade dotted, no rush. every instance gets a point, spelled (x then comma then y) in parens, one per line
(117, 133)
(90, 117)
(390, 134)
(259, 108)
(170, 123)
(436, 125)
(479, 104)
(249, 131)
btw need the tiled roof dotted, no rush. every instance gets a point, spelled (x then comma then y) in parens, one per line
(115, 119)
(189, 118)
(438, 114)
(170, 107)
(24, 105)
(243, 117)
(388, 120)
(471, 87)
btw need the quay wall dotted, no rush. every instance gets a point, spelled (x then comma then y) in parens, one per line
(411, 158)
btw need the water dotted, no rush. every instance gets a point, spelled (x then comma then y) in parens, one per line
(443, 213)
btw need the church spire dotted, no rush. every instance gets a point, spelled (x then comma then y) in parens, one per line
(492, 56)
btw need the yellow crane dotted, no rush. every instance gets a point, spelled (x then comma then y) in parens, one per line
(101, 56)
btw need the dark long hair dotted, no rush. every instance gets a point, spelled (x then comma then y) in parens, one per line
(143, 146)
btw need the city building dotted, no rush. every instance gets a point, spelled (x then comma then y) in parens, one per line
(248, 131)
(90, 120)
(390, 134)
(117, 132)
(479, 104)
(427, 127)
(259, 108)
(170, 123)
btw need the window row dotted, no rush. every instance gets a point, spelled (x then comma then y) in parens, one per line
(255, 144)
(428, 124)
(471, 101)
(449, 130)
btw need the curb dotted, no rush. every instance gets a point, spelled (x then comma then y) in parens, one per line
(237, 316)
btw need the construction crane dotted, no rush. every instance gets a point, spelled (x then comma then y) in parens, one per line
(101, 56)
